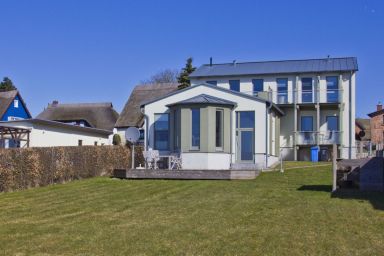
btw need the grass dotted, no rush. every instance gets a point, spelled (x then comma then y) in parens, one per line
(276, 214)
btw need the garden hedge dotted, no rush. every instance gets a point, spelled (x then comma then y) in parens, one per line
(23, 168)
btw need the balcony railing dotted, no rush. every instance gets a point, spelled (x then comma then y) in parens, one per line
(301, 96)
(321, 138)
(329, 137)
(306, 138)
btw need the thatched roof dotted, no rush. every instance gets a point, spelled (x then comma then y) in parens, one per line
(131, 115)
(6, 99)
(97, 115)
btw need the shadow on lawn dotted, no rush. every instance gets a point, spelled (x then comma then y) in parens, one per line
(319, 188)
(375, 198)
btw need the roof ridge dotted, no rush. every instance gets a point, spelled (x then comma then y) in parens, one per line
(107, 104)
(287, 60)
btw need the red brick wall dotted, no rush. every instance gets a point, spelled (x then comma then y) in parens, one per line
(377, 129)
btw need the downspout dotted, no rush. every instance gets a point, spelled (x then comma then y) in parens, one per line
(146, 129)
(267, 110)
(350, 117)
(230, 141)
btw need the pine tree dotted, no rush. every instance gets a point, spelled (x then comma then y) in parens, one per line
(7, 85)
(183, 79)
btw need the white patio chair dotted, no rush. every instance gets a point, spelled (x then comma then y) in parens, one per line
(148, 159)
(155, 158)
(176, 161)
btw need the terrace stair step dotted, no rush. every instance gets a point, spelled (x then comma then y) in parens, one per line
(186, 174)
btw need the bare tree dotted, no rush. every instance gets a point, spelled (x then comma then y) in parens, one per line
(164, 76)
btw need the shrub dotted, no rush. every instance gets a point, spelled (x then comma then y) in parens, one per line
(116, 140)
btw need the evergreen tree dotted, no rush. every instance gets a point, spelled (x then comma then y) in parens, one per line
(183, 79)
(7, 85)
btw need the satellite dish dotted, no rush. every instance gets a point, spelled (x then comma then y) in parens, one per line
(132, 134)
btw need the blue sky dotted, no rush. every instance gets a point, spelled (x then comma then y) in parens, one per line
(90, 51)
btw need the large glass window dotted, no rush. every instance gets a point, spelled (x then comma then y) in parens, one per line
(282, 90)
(212, 82)
(307, 123)
(247, 119)
(234, 85)
(161, 131)
(332, 89)
(258, 85)
(306, 90)
(219, 129)
(175, 130)
(332, 123)
(195, 128)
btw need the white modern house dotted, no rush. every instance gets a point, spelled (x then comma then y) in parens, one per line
(213, 128)
(317, 97)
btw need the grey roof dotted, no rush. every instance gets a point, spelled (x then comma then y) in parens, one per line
(278, 67)
(204, 99)
(97, 115)
(240, 94)
(131, 114)
(59, 124)
(6, 98)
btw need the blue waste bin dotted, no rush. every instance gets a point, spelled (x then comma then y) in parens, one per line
(315, 154)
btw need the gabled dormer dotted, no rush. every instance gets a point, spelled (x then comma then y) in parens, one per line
(12, 106)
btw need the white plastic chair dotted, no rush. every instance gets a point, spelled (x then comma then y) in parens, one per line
(176, 161)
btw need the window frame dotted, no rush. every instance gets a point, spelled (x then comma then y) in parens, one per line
(221, 130)
(301, 123)
(175, 130)
(232, 81)
(193, 147)
(154, 132)
(331, 91)
(254, 91)
(304, 92)
(282, 92)
(212, 82)
(16, 103)
(337, 123)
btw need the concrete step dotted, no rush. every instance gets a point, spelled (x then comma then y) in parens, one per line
(186, 174)
(244, 166)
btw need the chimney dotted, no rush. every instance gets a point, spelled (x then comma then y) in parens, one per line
(210, 62)
(55, 103)
(379, 106)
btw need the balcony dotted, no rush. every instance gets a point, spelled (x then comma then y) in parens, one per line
(322, 138)
(301, 96)
(306, 138)
(329, 137)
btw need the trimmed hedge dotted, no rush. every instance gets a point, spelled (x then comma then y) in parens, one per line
(33, 167)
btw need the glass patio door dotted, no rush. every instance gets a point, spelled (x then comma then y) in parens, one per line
(245, 136)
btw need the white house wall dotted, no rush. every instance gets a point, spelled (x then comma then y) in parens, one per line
(52, 136)
(243, 104)
(294, 83)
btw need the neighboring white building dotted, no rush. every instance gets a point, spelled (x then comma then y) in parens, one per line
(317, 97)
(213, 128)
(45, 133)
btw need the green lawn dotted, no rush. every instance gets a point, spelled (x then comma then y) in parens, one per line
(276, 214)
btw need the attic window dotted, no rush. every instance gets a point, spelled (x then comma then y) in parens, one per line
(16, 103)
